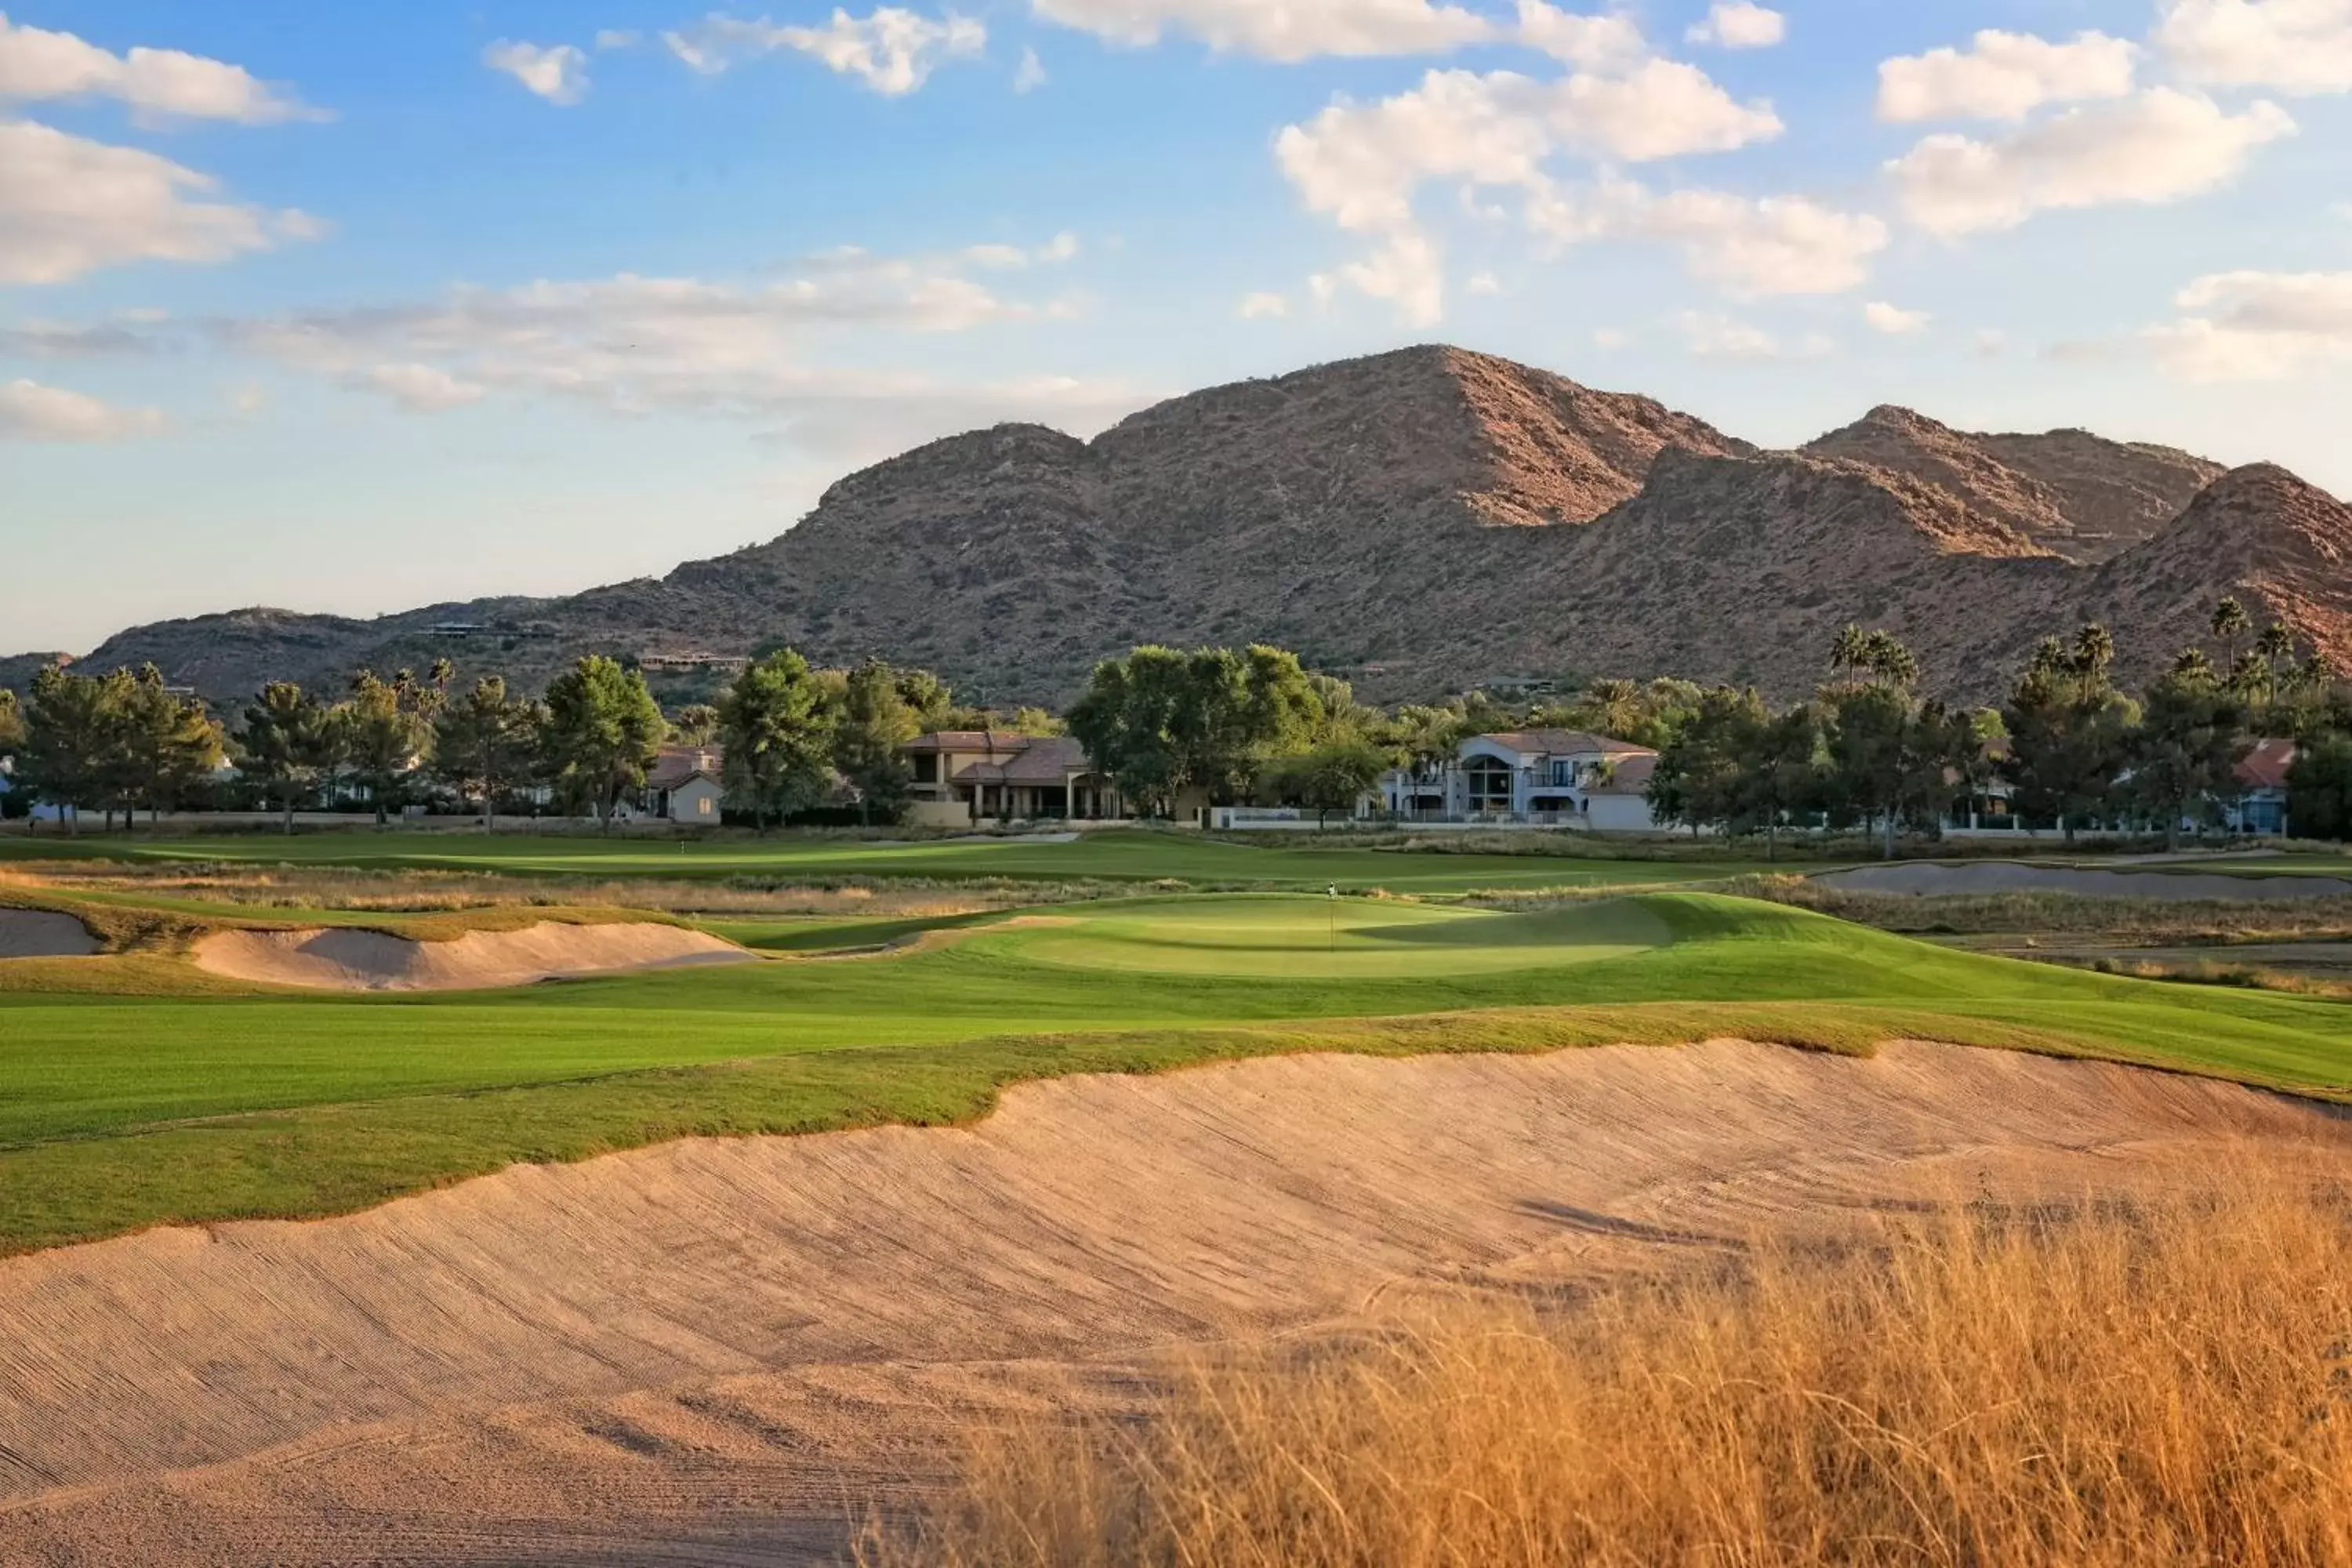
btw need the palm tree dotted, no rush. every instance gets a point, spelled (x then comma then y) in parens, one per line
(1851, 650)
(2251, 676)
(2230, 624)
(2277, 644)
(2094, 650)
(1883, 656)
(2193, 664)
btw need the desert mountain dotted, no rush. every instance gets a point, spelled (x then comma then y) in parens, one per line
(1424, 522)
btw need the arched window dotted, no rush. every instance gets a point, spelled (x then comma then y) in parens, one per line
(1490, 782)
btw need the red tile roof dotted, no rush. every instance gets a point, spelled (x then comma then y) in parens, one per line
(1631, 775)
(1563, 743)
(2266, 765)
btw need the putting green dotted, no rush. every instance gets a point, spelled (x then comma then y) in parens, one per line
(1336, 938)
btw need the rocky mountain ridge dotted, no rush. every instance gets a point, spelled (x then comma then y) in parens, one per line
(1423, 521)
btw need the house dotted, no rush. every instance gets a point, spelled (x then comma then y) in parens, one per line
(1530, 778)
(966, 776)
(2261, 811)
(683, 785)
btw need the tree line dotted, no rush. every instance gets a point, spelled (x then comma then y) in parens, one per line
(2071, 747)
(793, 737)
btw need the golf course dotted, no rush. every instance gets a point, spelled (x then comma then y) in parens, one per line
(141, 1084)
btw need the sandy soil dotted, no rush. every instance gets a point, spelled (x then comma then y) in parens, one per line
(720, 1352)
(2009, 876)
(342, 960)
(39, 934)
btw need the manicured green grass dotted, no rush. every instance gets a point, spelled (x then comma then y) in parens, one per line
(1113, 857)
(118, 1112)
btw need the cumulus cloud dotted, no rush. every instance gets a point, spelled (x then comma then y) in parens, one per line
(2161, 146)
(1062, 247)
(1283, 30)
(2299, 46)
(1893, 320)
(892, 50)
(1721, 338)
(32, 412)
(163, 84)
(1749, 247)
(424, 388)
(556, 72)
(1030, 74)
(1263, 307)
(2257, 326)
(1741, 25)
(2005, 76)
(68, 206)
(1607, 42)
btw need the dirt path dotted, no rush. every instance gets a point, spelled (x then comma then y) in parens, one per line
(39, 933)
(349, 960)
(2011, 877)
(718, 1352)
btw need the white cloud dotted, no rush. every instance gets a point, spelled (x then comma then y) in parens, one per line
(1062, 247)
(68, 206)
(1263, 307)
(1741, 25)
(2005, 76)
(161, 83)
(1774, 246)
(60, 340)
(32, 412)
(1612, 41)
(2158, 147)
(891, 51)
(556, 72)
(1992, 343)
(1611, 338)
(1893, 320)
(2289, 45)
(2257, 326)
(635, 345)
(1285, 30)
(619, 38)
(1030, 75)
(424, 388)
(1721, 338)
(1484, 285)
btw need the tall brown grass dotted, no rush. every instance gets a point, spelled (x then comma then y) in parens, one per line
(2108, 1388)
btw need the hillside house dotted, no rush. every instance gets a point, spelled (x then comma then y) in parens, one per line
(684, 786)
(2261, 811)
(963, 777)
(1532, 778)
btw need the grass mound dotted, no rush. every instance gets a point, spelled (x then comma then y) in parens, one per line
(2104, 1389)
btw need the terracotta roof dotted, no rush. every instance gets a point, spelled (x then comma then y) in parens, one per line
(1631, 777)
(1562, 743)
(2266, 765)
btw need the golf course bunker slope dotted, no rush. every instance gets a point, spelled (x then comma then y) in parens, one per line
(42, 933)
(728, 1351)
(350, 959)
(2009, 876)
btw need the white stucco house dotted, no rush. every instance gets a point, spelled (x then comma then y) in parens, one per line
(683, 785)
(1530, 778)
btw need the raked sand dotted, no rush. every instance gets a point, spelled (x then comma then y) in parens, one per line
(352, 960)
(721, 1352)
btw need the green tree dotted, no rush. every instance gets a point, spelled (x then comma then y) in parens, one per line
(1160, 721)
(68, 733)
(2068, 730)
(2185, 755)
(875, 722)
(1849, 651)
(1890, 756)
(166, 746)
(12, 721)
(1784, 774)
(288, 744)
(484, 743)
(603, 730)
(1128, 721)
(2319, 789)
(1329, 777)
(929, 697)
(2228, 624)
(1702, 778)
(385, 732)
(696, 725)
(777, 723)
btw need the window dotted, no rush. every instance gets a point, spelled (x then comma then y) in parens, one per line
(702, 807)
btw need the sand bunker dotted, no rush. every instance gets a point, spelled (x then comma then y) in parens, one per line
(726, 1352)
(2009, 876)
(343, 960)
(40, 934)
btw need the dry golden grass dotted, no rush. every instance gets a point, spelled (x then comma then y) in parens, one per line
(2102, 1388)
(2217, 921)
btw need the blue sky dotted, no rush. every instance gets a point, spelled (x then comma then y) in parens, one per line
(359, 308)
